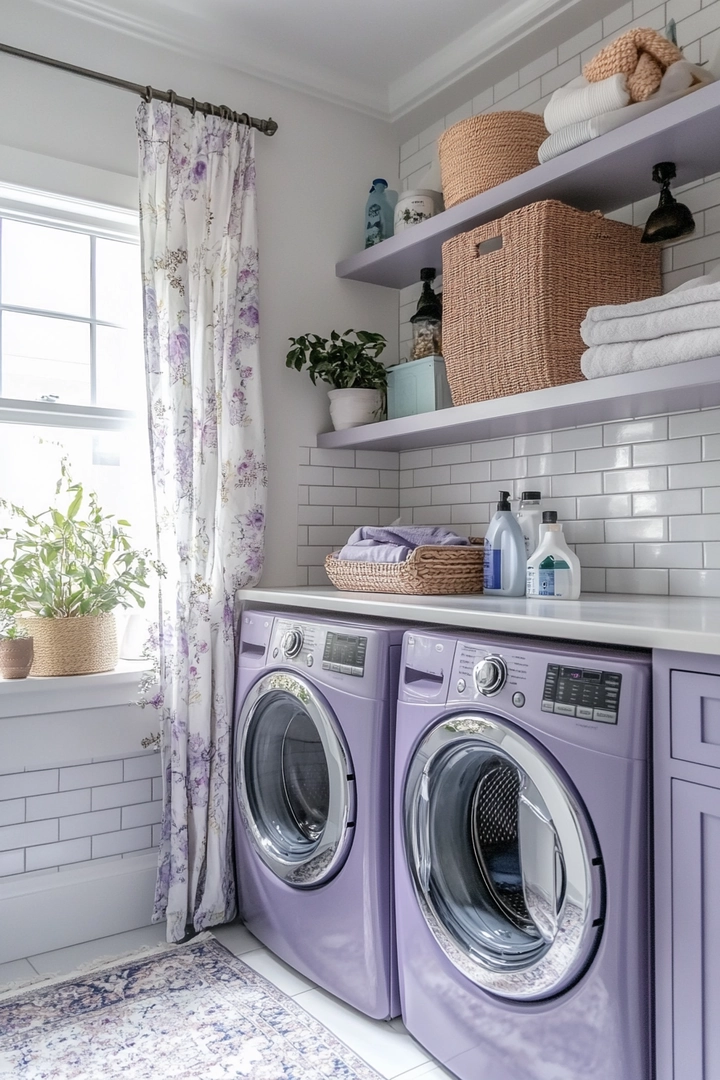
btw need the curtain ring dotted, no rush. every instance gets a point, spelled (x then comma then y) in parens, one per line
(148, 94)
(193, 106)
(172, 97)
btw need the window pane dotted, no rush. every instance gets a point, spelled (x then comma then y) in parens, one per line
(45, 269)
(118, 297)
(120, 369)
(42, 356)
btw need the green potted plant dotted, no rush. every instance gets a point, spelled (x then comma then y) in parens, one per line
(66, 575)
(351, 367)
(16, 648)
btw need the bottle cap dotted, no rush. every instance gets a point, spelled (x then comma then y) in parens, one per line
(531, 496)
(504, 503)
(549, 517)
(428, 273)
(380, 181)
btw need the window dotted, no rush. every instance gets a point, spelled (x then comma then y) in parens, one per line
(71, 356)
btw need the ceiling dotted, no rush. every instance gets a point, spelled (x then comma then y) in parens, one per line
(384, 57)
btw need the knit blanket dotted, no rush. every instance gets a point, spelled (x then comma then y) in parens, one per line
(643, 55)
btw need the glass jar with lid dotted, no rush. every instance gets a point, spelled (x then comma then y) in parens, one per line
(427, 321)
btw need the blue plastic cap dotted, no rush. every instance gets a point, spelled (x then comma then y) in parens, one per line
(380, 181)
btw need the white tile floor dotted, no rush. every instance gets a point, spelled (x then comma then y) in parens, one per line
(386, 1046)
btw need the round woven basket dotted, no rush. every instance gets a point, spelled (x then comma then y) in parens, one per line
(486, 150)
(82, 645)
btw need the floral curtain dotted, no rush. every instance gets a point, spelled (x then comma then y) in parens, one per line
(200, 277)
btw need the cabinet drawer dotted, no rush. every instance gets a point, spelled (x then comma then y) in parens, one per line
(695, 717)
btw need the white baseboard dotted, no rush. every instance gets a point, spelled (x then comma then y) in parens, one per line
(76, 904)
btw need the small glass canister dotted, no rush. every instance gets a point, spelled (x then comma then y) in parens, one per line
(427, 321)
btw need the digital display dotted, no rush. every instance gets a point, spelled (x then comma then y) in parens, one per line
(345, 653)
(584, 694)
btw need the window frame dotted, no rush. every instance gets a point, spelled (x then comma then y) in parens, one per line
(98, 221)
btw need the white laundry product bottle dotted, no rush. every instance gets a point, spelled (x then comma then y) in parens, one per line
(529, 518)
(505, 559)
(553, 570)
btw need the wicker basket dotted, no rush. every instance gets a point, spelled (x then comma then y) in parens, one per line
(516, 290)
(82, 645)
(486, 150)
(430, 570)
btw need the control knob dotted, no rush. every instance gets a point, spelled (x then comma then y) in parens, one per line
(490, 675)
(292, 642)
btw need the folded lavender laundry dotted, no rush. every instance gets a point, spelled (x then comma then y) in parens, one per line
(370, 543)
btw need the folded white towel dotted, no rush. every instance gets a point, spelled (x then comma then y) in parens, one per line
(601, 360)
(698, 314)
(676, 299)
(680, 78)
(582, 100)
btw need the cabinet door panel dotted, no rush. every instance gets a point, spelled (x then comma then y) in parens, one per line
(696, 931)
(695, 717)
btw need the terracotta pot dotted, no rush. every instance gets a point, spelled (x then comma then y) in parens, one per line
(82, 645)
(16, 657)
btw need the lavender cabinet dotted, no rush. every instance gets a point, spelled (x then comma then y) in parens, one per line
(687, 865)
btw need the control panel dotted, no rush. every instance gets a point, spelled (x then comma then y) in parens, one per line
(345, 653)
(586, 694)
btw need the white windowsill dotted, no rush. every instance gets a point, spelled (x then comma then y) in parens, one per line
(22, 697)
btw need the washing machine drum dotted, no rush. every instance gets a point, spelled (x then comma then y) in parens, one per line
(294, 780)
(504, 862)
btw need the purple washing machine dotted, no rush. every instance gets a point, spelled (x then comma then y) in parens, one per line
(522, 857)
(315, 720)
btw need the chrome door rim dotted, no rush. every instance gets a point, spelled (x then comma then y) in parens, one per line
(577, 937)
(332, 847)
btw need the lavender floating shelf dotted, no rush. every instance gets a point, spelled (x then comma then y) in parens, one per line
(605, 174)
(677, 388)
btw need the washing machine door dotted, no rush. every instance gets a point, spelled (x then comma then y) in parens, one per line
(504, 861)
(295, 784)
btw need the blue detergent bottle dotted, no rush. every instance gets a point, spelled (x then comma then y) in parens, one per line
(505, 560)
(378, 214)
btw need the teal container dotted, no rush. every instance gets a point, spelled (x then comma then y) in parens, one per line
(418, 387)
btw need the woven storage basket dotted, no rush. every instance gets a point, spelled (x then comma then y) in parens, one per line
(516, 290)
(486, 150)
(82, 645)
(430, 570)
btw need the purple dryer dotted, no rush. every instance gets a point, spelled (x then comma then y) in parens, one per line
(522, 857)
(315, 720)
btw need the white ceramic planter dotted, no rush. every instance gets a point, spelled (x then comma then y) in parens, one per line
(353, 407)
(416, 206)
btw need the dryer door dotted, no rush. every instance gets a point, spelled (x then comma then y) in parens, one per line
(504, 862)
(295, 784)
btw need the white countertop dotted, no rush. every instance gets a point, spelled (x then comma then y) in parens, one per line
(684, 623)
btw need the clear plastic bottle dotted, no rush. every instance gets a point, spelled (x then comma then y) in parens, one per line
(553, 570)
(529, 518)
(505, 560)
(379, 213)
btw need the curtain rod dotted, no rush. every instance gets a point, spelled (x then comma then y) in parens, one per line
(267, 127)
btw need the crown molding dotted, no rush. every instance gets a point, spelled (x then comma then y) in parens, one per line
(470, 51)
(260, 63)
(467, 53)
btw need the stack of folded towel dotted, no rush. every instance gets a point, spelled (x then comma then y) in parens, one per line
(394, 544)
(635, 74)
(682, 325)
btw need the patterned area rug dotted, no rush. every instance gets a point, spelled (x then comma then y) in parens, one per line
(195, 1012)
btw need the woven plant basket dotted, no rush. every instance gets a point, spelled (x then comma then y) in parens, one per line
(430, 570)
(82, 645)
(516, 290)
(486, 150)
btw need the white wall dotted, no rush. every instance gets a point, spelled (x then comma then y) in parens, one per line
(312, 184)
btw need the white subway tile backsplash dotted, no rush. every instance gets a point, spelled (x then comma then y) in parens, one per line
(583, 40)
(577, 484)
(376, 459)
(506, 86)
(537, 68)
(560, 75)
(437, 474)
(327, 534)
(315, 474)
(652, 582)
(495, 448)
(60, 854)
(12, 862)
(134, 791)
(671, 452)
(89, 824)
(711, 447)
(695, 527)
(118, 842)
(508, 468)
(451, 455)
(577, 438)
(702, 473)
(141, 814)
(636, 480)
(704, 422)
(525, 445)
(593, 579)
(80, 776)
(26, 833)
(66, 802)
(551, 464)
(446, 494)
(377, 497)
(315, 515)
(635, 431)
(669, 555)
(659, 503)
(605, 554)
(157, 788)
(332, 496)
(339, 458)
(604, 506)
(617, 19)
(415, 459)
(602, 458)
(695, 582)
(12, 811)
(584, 532)
(142, 766)
(313, 556)
(17, 785)
(357, 477)
(470, 472)
(629, 530)
(353, 516)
